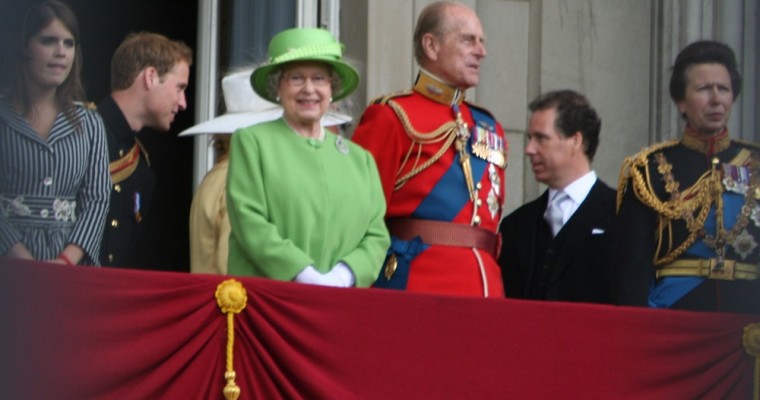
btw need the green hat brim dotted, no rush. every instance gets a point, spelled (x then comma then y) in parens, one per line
(348, 75)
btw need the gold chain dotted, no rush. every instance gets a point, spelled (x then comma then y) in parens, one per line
(698, 198)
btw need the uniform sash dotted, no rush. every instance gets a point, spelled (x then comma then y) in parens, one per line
(441, 204)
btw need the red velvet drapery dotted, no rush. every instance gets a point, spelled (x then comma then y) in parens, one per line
(85, 333)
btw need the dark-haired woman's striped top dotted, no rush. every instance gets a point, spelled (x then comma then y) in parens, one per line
(53, 192)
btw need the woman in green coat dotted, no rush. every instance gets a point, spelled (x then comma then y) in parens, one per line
(304, 204)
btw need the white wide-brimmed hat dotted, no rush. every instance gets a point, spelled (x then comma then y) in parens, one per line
(246, 108)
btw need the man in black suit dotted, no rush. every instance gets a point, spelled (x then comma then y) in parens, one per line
(557, 247)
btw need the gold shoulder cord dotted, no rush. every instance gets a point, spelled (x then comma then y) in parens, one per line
(630, 171)
(679, 206)
(691, 205)
(447, 132)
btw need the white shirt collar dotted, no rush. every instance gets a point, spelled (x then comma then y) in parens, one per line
(578, 189)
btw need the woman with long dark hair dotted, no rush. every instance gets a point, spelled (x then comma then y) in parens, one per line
(54, 178)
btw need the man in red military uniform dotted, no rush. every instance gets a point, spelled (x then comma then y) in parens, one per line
(441, 161)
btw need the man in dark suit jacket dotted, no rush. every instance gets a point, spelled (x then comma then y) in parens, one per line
(557, 247)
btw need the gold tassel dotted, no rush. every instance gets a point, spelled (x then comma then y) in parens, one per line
(751, 341)
(232, 298)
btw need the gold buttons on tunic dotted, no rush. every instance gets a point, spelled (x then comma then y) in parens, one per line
(479, 202)
(476, 220)
(121, 152)
(115, 223)
(117, 188)
(110, 257)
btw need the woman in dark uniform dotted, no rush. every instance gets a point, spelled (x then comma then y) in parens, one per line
(689, 212)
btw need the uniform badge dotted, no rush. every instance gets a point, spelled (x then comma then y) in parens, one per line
(744, 244)
(488, 145)
(736, 178)
(493, 194)
(755, 215)
(137, 200)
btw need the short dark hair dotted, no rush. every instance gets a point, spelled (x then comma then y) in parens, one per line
(703, 52)
(574, 114)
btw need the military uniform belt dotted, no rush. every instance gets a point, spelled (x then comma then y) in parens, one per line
(444, 233)
(710, 268)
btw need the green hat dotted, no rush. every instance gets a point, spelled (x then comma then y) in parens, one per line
(305, 44)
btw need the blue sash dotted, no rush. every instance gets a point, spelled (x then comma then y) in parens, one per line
(443, 203)
(667, 291)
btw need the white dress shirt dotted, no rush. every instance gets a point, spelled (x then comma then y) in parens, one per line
(577, 191)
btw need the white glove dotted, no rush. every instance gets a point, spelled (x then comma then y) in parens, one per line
(342, 274)
(309, 275)
(339, 276)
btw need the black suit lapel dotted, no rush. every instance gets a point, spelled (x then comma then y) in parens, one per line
(577, 229)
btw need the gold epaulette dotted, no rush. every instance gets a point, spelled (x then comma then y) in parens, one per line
(382, 100)
(445, 133)
(638, 161)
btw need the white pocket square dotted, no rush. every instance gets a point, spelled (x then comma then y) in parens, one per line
(597, 231)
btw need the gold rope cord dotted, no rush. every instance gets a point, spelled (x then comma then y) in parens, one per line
(697, 198)
(640, 160)
(751, 342)
(231, 298)
(447, 132)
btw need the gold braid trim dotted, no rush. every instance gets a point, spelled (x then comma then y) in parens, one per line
(625, 175)
(125, 166)
(639, 160)
(751, 342)
(681, 206)
(231, 298)
(446, 132)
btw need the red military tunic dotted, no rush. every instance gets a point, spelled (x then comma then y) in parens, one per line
(406, 133)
